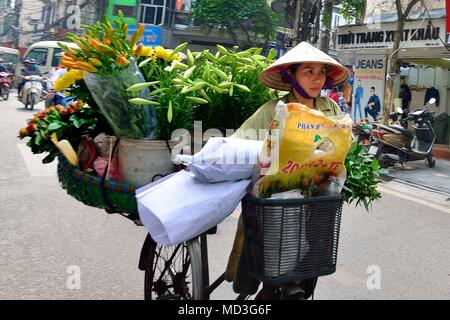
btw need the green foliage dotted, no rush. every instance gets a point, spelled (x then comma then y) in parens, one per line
(68, 123)
(174, 110)
(351, 9)
(228, 84)
(220, 90)
(363, 172)
(254, 17)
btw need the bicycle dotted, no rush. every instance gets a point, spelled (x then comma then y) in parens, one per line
(287, 240)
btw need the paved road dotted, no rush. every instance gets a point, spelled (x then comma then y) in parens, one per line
(47, 237)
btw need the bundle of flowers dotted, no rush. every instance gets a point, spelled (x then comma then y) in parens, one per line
(107, 58)
(68, 123)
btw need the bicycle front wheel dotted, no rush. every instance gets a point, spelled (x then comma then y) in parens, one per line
(174, 272)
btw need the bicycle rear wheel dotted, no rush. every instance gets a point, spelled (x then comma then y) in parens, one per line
(174, 272)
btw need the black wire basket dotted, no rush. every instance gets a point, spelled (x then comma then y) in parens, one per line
(292, 239)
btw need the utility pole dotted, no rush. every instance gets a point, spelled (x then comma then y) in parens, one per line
(297, 22)
(102, 6)
(16, 33)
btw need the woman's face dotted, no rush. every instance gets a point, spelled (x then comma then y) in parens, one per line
(311, 77)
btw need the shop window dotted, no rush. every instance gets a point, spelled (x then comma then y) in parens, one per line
(153, 11)
(48, 16)
(128, 11)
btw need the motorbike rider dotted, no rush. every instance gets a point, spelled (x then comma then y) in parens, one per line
(304, 71)
(31, 69)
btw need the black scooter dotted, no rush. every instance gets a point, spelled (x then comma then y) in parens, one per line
(393, 144)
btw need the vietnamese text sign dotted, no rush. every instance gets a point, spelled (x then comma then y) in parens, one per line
(415, 35)
(151, 36)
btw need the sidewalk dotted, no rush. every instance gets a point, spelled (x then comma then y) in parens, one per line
(419, 174)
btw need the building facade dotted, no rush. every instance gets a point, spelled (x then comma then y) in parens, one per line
(423, 53)
(30, 21)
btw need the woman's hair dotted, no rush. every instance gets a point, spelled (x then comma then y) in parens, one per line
(293, 67)
(405, 89)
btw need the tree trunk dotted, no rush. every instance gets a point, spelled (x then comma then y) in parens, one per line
(362, 14)
(393, 67)
(392, 71)
(18, 12)
(326, 22)
(296, 25)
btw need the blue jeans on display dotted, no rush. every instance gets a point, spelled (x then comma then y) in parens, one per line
(357, 107)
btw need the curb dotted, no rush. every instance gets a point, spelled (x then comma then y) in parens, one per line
(441, 151)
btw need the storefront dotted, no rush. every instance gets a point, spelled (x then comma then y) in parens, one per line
(424, 58)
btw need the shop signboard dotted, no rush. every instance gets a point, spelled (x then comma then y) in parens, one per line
(150, 37)
(369, 71)
(416, 34)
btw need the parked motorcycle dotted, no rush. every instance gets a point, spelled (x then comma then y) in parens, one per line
(32, 90)
(362, 131)
(5, 84)
(393, 144)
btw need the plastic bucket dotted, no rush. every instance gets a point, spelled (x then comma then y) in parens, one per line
(143, 161)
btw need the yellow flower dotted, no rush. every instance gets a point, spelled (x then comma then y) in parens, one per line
(169, 58)
(147, 51)
(161, 52)
(68, 78)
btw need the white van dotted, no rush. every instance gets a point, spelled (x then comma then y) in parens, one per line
(11, 57)
(44, 52)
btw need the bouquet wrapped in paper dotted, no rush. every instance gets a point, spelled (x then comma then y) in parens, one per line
(110, 93)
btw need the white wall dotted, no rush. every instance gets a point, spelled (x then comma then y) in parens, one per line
(420, 78)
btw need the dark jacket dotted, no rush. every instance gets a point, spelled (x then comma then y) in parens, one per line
(375, 99)
(432, 93)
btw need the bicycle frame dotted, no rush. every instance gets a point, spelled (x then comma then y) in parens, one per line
(209, 288)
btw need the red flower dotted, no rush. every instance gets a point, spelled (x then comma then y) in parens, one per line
(42, 116)
(31, 127)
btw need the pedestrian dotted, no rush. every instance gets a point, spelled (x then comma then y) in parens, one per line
(359, 93)
(373, 105)
(405, 95)
(342, 103)
(303, 71)
(334, 95)
(56, 72)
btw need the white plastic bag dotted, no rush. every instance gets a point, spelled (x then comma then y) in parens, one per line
(224, 159)
(181, 207)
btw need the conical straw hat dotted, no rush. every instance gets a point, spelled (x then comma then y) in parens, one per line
(302, 53)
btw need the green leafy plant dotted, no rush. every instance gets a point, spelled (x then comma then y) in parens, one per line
(363, 172)
(160, 67)
(221, 90)
(225, 86)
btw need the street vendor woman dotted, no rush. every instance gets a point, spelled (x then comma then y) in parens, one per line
(304, 71)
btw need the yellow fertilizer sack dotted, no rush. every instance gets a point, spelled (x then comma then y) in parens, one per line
(302, 150)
